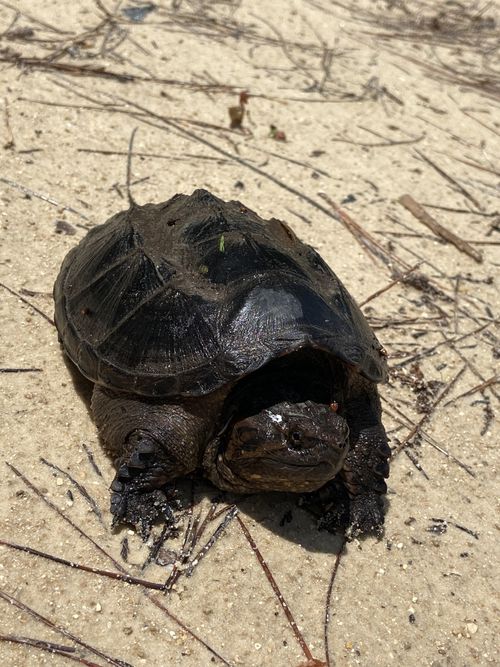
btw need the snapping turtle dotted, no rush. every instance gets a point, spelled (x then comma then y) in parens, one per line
(218, 341)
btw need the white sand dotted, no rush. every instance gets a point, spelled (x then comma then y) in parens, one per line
(445, 583)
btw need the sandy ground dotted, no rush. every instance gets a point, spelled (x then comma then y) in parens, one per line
(368, 106)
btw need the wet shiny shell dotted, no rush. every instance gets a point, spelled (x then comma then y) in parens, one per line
(183, 297)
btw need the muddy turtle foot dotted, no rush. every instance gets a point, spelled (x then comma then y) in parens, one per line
(366, 515)
(141, 508)
(342, 513)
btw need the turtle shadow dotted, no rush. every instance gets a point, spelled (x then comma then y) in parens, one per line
(281, 515)
(278, 513)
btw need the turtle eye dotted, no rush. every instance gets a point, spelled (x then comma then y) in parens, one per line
(296, 440)
(247, 434)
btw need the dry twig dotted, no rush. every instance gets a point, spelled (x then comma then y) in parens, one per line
(61, 630)
(67, 652)
(443, 232)
(328, 603)
(154, 600)
(277, 592)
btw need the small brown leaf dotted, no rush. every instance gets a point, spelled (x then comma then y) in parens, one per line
(236, 115)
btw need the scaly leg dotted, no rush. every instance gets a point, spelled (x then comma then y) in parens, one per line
(354, 501)
(153, 443)
(366, 465)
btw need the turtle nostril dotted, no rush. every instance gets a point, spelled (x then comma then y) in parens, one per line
(300, 442)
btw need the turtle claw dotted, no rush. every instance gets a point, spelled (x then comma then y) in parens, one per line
(366, 515)
(139, 493)
(141, 509)
(340, 512)
(330, 505)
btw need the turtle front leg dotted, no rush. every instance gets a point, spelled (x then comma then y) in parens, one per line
(153, 442)
(367, 462)
(363, 474)
(354, 501)
(139, 495)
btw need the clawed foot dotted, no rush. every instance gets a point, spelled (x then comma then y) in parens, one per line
(353, 516)
(141, 508)
(139, 494)
(366, 515)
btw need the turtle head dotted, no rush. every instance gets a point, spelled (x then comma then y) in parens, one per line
(294, 447)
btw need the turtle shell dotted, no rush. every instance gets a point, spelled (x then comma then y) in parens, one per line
(183, 297)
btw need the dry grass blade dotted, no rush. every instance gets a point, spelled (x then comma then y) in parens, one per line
(28, 303)
(103, 73)
(487, 83)
(35, 20)
(154, 600)
(186, 157)
(431, 350)
(128, 579)
(433, 23)
(475, 165)
(403, 420)
(418, 426)
(21, 370)
(67, 68)
(467, 361)
(416, 463)
(479, 387)
(81, 489)
(366, 241)
(236, 158)
(90, 457)
(56, 509)
(328, 603)
(230, 515)
(56, 649)
(166, 532)
(131, 200)
(39, 195)
(449, 178)
(62, 631)
(465, 35)
(185, 553)
(10, 143)
(389, 286)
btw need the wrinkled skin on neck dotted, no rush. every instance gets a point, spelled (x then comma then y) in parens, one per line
(295, 447)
